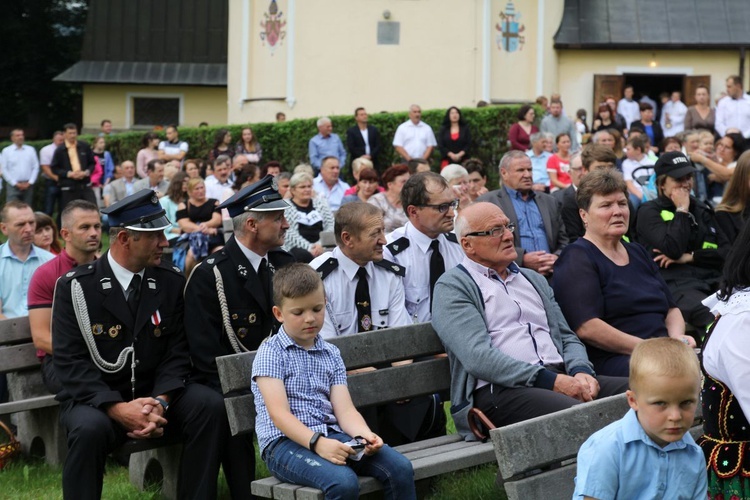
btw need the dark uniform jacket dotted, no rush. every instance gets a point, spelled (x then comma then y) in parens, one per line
(249, 311)
(161, 351)
(61, 164)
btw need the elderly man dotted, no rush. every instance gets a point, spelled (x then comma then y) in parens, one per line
(82, 232)
(556, 123)
(154, 180)
(218, 183)
(228, 303)
(20, 167)
(425, 246)
(328, 184)
(122, 358)
(324, 144)
(513, 355)
(733, 111)
(414, 138)
(541, 234)
(121, 188)
(539, 156)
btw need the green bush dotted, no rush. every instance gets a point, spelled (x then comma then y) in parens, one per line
(287, 142)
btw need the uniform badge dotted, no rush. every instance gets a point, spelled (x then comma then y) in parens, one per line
(97, 328)
(383, 312)
(271, 268)
(235, 316)
(242, 333)
(366, 322)
(363, 304)
(252, 318)
(177, 269)
(154, 199)
(156, 321)
(395, 268)
(242, 270)
(71, 273)
(210, 261)
(395, 247)
(152, 283)
(114, 331)
(157, 332)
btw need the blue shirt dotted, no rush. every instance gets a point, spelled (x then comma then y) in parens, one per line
(530, 223)
(539, 166)
(621, 461)
(15, 277)
(308, 375)
(319, 147)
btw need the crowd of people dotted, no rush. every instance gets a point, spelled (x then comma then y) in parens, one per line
(596, 241)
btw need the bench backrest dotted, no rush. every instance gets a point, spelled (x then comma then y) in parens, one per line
(358, 351)
(17, 352)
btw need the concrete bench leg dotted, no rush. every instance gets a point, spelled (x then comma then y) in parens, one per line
(38, 430)
(154, 466)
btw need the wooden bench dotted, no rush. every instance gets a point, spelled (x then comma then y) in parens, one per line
(37, 416)
(537, 457)
(429, 458)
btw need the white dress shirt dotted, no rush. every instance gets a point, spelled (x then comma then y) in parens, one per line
(416, 259)
(676, 111)
(415, 139)
(386, 295)
(19, 164)
(215, 189)
(733, 113)
(630, 110)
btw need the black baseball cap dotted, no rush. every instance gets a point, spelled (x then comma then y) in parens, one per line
(674, 164)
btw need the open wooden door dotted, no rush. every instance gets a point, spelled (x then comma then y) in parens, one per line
(607, 85)
(690, 83)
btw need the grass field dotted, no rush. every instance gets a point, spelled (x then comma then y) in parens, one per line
(32, 479)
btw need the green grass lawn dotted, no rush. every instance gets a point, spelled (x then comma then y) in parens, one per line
(32, 479)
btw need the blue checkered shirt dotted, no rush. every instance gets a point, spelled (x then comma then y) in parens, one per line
(308, 376)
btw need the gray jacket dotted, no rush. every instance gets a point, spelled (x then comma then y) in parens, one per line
(458, 317)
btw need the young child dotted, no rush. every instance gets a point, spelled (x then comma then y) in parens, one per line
(305, 417)
(649, 453)
(636, 152)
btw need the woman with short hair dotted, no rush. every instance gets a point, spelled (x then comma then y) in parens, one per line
(308, 216)
(389, 201)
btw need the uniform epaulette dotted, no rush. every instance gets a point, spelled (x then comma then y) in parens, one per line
(170, 267)
(451, 237)
(327, 267)
(79, 271)
(392, 267)
(399, 245)
(214, 259)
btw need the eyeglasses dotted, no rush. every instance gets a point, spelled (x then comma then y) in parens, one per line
(495, 232)
(443, 207)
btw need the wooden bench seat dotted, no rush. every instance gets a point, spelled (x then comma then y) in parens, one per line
(429, 458)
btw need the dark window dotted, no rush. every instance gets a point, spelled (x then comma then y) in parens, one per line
(150, 111)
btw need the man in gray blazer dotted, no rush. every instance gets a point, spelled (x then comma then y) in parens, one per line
(540, 233)
(123, 187)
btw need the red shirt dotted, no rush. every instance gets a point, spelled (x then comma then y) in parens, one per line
(43, 281)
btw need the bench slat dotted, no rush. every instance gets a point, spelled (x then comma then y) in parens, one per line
(403, 382)
(440, 450)
(560, 481)
(15, 330)
(435, 465)
(18, 357)
(136, 445)
(285, 491)
(428, 443)
(240, 413)
(549, 439)
(388, 345)
(263, 488)
(234, 371)
(28, 404)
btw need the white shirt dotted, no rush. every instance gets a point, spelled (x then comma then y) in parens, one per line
(726, 356)
(215, 189)
(386, 296)
(415, 139)
(19, 164)
(630, 110)
(676, 111)
(252, 257)
(629, 166)
(333, 195)
(366, 138)
(416, 260)
(733, 113)
(122, 275)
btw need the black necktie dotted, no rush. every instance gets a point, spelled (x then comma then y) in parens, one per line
(362, 300)
(437, 267)
(134, 293)
(265, 279)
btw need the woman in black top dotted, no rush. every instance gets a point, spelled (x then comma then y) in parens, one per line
(454, 138)
(199, 219)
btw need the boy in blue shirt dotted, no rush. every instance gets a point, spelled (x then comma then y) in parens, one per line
(305, 416)
(649, 453)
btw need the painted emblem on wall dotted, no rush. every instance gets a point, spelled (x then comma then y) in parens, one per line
(510, 38)
(273, 25)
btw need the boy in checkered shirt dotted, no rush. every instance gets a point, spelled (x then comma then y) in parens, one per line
(305, 416)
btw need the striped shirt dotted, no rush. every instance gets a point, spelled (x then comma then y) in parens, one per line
(516, 320)
(308, 375)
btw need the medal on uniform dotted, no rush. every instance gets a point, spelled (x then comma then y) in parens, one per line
(242, 333)
(251, 318)
(97, 328)
(114, 331)
(156, 321)
(366, 322)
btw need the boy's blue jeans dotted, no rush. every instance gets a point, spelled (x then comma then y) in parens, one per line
(292, 463)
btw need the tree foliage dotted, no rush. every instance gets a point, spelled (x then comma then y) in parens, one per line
(42, 38)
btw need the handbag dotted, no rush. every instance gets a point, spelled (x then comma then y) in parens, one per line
(10, 449)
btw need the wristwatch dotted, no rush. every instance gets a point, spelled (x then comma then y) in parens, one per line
(314, 441)
(163, 404)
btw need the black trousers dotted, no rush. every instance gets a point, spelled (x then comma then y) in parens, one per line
(78, 192)
(505, 406)
(197, 414)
